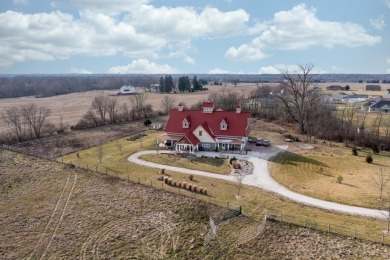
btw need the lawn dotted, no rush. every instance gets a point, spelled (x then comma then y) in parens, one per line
(314, 172)
(253, 200)
(214, 165)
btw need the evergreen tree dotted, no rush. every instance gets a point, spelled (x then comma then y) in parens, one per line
(161, 85)
(195, 84)
(168, 83)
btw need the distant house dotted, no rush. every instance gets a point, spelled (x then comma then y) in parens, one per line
(373, 87)
(338, 97)
(380, 106)
(335, 87)
(206, 129)
(156, 125)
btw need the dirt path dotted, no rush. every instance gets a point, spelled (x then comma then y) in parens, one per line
(261, 178)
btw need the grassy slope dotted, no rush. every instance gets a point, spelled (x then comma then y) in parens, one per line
(254, 200)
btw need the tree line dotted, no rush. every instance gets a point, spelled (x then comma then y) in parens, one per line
(167, 84)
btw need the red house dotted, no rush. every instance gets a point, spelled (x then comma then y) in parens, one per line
(207, 129)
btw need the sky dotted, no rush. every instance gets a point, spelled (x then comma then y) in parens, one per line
(185, 37)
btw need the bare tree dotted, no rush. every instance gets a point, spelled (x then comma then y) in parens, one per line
(62, 126)
(125, 112)
(299, 95)
(112, 109)
(239, 177)
(35, 118)
(99, 104)
(167, 104)
(13, 117)
(138, 104)
(381, 180)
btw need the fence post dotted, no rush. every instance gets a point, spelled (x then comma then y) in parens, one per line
(227, 204)
(96, 169)
(240, 210)
(62, 159)
(151, 185)
(305, 222)
(354, 233)
(139, 181)
(383, 238)
(106, 170)
(281, 217)
(87, 167)
(328, 228)
(128, 178)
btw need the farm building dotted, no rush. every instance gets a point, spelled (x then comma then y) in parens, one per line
(206, 129)
(373, 87)
(335, 87)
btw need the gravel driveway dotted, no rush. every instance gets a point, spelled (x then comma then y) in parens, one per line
(262, 179)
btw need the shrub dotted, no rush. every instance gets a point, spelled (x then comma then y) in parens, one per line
(369, 158)
(233, 159)
(173, 183)
(194, 188)
(169, 181)
(189, 186)
(339, 178)
(147, 122)
(165, 179)
(191, 177)
(354, 151)
(184, 184)
(205, 191)
(375, 148)
(179, 184)
(200, 190)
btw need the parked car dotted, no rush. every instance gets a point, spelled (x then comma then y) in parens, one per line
(266, 143)
(261, 142)
(252, 139)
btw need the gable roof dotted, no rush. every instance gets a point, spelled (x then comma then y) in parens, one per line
(208, 104)
(206, 127)
(237, 122)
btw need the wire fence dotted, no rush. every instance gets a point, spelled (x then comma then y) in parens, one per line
(303, 221)
(331, 228)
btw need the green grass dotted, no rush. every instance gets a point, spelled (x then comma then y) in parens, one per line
(214, 165)
(253, 200)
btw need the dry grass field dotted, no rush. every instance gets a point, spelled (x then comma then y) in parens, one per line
(73, 106)
(50, 210)
(312, 169)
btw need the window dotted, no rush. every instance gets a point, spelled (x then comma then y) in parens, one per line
(200, 133)
(223, 126)
(206, 145)
(185, 125)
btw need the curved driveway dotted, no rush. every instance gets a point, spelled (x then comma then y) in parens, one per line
(262, 179)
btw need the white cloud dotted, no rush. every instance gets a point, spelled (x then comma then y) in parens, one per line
(279, 68)
(143, 66)
(282, 68)
(387, 2)
(218, 71)
(244, 53)
(299, 28)
(388, 60)
(378, 23)
(80, 71)
(144, 31)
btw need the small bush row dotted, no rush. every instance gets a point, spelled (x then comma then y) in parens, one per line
(185, 185)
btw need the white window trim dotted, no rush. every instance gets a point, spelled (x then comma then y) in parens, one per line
(206, 145)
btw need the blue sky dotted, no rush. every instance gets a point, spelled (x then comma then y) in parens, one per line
(221, 36)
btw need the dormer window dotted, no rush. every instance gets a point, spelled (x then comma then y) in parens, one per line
(186, 122)
(223, 125)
